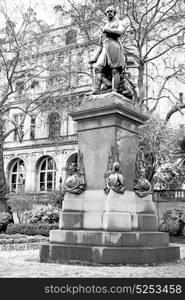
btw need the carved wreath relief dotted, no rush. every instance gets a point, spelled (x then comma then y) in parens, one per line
(142, 186)
(75, 182)
(113, 178)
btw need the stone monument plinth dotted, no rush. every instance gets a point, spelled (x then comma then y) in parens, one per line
(108, 227)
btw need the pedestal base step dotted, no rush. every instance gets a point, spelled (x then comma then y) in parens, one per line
(110, 238)
(59, 253)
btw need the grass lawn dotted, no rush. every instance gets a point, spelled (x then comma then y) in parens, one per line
(26, 264)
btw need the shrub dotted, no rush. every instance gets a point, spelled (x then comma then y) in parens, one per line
(173, 221)
(54, 198)
(5, 219)
(45, 214)
(31, 229)
(20, 204)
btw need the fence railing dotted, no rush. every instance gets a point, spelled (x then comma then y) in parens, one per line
(168, 195)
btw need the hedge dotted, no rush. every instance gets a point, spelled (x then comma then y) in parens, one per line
(15, 236)
(31, 229)
(13, 239)
(18, 247)
(20, 242)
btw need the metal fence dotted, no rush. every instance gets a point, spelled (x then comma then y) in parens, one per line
(169, 195)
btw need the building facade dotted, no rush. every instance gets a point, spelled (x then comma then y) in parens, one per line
(37, 155)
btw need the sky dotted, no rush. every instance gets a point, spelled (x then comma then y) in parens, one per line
(43, 8)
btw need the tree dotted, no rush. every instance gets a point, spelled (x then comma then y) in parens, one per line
(64, 71)
(20, 205)
(20, 69)
(164, 150)
(34, 76)
(154, 29)
(157, 138)
(154, 34)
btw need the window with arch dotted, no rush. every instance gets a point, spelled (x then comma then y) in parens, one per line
(32, 128)
(71, 37)
(20, 86)
(54, 126)
(19, 127)
(17, 176)
(47, 174)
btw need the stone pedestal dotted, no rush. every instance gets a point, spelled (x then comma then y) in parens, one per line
(110, 120)
(113, 228)
(108, 247)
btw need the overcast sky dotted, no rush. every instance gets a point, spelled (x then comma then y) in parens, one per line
(43, 8)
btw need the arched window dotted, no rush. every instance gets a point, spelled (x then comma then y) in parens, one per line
(47, 174)
(32, 128)
(19, 127)
(20, 86)
(17, 176)
(54, 126)
(71, 37)
(34, 84)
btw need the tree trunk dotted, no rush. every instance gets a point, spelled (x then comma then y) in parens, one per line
(141, 84)
(3, 185)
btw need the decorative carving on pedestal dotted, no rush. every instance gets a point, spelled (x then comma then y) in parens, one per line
(113, 178)
(142, 186)
(75, 182)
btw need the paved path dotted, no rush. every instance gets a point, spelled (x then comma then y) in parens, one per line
(26, 264)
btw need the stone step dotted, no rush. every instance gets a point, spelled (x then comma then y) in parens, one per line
(60, 253)
(108, 238)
